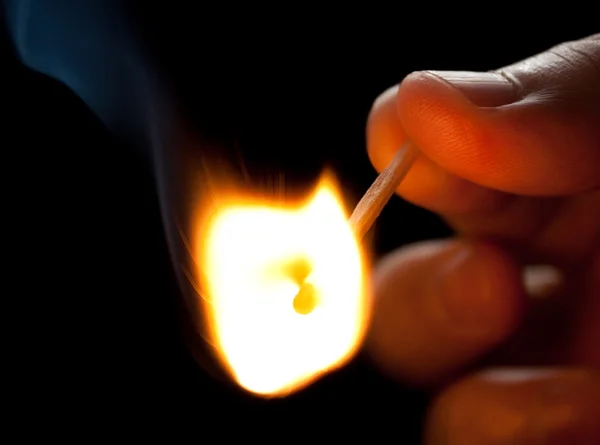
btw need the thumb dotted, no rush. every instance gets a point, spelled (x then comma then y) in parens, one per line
(532, 128)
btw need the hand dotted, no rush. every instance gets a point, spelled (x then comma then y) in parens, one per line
(504, 319)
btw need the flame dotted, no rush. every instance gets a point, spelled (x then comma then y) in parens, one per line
(256, 259)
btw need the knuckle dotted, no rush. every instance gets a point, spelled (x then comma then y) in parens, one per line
(581, 58)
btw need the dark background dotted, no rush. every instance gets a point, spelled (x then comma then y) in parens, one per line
(289, 91)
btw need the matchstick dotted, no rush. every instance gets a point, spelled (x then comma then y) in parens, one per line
(366, 212)
(372, 203)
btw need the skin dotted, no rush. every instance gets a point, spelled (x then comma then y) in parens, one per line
(503, 320)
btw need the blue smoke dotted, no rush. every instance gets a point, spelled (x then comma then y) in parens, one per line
(90, 46)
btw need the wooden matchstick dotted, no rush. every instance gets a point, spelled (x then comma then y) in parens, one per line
(374, 200)
(366, 212)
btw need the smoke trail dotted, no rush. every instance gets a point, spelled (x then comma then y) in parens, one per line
(90, 46)
(87, 46)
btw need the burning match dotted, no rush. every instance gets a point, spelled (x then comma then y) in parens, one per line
(364, 215)
(287, 289)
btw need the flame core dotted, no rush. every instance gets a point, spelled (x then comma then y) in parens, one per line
(256, 259)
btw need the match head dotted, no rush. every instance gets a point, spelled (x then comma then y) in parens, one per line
(306, 299)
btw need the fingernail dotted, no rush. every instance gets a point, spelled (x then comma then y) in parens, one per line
(517, 375)
(481, 89)
(466, 293)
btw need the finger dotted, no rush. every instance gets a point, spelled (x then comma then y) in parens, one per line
(531, 128)
(441, 304)
(427, 184)
(540, 230)
(468, 207)
(519, 406)
(547, 225)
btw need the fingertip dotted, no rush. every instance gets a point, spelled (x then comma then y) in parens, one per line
(443, 123)
(482, 286)
(439, 305)
(384, 132)
(427, 184)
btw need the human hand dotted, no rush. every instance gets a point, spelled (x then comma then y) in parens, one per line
(511, 160)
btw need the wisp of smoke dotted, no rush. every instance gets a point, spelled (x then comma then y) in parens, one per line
(90, 47)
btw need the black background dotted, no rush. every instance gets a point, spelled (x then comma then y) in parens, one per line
(290, 91)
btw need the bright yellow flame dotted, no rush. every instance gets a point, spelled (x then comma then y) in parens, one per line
(269, 348)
